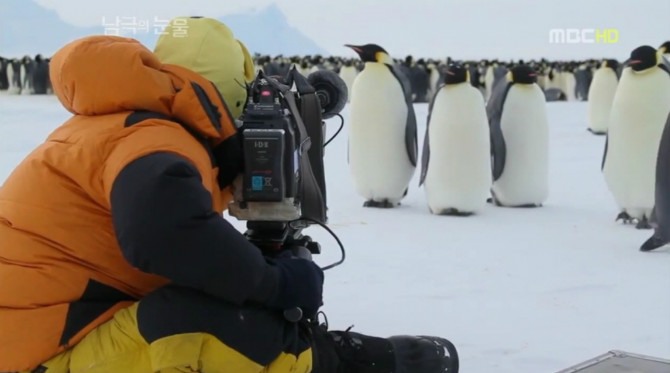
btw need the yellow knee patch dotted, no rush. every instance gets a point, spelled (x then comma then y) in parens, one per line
(117, 346)
(57, 364)
(194, 352)
(200, 352)
(290, 363)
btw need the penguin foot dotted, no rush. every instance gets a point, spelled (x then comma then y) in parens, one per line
(494, 201)
(598, 133)
(522, 206)
(623, 215)
(652, 243)
(529, 205)
(453, 212)
(385, 204)
(643, 224)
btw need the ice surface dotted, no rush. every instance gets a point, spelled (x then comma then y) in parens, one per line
(517, 290)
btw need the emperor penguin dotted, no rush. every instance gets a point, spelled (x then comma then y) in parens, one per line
(40, 78)
(317, 64)
(541, 75)
(4, 81)
(488, 80)
(568, 83)
(434, 79)
(14, 77)
(601, 94)
(456, 161)
(552, 79)
(660, 216)
(639, 110)
(27, 70)
(584, 77)
(304, 67)
(348, 74)
(383, 135)
(519, 128)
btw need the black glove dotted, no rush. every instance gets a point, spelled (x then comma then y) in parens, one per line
(300, 285)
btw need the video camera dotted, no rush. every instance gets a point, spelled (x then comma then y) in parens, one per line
(283, 187)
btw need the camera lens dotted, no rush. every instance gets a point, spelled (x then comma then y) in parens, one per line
(331, 91)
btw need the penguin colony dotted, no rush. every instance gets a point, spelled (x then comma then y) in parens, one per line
(25, 76)
(487, 136)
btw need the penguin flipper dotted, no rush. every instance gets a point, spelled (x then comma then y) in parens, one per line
(411, 136)
(494, 110)
(404, 80)
(602, 164)
(498, 150)
(411, 141)
(425, 153)
(425, 158)
(664, 65)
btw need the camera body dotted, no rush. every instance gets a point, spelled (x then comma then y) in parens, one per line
(282, 189)
(271, 161)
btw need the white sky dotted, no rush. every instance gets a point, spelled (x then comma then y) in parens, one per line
(431, 28)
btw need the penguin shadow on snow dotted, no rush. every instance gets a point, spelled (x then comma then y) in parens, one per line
(451, 212)
(495, 202)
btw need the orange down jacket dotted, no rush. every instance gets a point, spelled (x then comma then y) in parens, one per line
(62, 269)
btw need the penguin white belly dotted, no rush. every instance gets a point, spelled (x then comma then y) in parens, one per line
(568, 85)
(552, 82)
(488, 81)
(26, 82)
(434, 81)
(14, 88)
(524, 125)
(377, 153)
(459, 169)
(304, 71)
(639, 111)
(601, 95)
(348, 75)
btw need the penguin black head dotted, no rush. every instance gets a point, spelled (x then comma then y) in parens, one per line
(612, 64)
(664, 48)
(643, 58)
(455, 74)
(372, 53)
(522, 74)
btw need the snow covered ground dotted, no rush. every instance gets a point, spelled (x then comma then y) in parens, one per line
(517, 290)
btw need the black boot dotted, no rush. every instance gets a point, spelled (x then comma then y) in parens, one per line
(349, 352)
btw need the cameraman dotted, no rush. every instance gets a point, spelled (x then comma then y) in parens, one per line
(114, 255)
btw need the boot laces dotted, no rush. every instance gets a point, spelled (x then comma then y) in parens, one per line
(345, 339)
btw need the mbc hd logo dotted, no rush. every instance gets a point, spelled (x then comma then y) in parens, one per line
(583, 36)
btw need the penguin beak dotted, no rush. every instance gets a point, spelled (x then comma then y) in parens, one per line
(634, 62)
(356, 48)
(532, 74)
